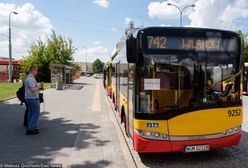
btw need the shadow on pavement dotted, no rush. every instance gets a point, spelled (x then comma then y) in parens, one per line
(56, 136)
(75, 87)
(89, 164)
(82, 83)
(227, 157)
(79, 85)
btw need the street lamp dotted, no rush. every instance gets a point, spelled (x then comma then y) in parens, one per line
(181, 11)
(10, 48)
(85, 60)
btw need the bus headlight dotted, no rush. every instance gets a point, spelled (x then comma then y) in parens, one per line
(156, 134)
(151, 135)
(232, 131)
(165, 136)
(141, 133)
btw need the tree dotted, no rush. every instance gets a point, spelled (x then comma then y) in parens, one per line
(244, 37)
(97, 66)
(56, 50)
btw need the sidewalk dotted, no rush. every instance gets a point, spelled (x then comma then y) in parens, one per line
(76, 130)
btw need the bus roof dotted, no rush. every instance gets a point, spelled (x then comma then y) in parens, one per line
(187, 31)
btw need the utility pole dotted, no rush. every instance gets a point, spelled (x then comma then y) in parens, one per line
(10, 49)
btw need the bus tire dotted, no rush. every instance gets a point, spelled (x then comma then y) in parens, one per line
(124, 119)
(114, 102)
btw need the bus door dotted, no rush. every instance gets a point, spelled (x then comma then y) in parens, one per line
(154, 97)
(118, 87)
(131, 98)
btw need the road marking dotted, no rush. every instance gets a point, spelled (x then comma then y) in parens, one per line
(96, 105)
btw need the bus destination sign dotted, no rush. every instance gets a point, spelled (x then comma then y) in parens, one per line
(201, 44)
(190, 43)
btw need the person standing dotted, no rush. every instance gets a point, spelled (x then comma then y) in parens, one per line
(25, 122)
(32, 100)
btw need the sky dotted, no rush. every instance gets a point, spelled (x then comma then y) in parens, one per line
(95, 26)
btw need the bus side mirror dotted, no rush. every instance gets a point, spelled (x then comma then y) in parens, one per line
(131, 49)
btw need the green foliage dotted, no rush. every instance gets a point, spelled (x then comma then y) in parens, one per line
(56, 50)
(76, 67)
(22, 76)
(245, 45)
(97, 66)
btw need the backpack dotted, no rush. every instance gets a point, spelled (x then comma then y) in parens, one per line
(20, 94)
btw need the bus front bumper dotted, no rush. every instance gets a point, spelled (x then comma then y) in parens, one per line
(143, 145)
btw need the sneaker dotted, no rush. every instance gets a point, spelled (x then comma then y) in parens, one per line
(32, 132)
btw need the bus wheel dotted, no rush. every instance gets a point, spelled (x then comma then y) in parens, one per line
(124, 120)
(125, 125)
(114, 102)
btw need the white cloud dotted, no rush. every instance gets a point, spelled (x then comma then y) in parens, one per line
(102, 3)
(26, 27)
(164, 11)
(223, 14)
(92, 53)
(161, 10)
(97, 42)
(165, 25)
(114, 29)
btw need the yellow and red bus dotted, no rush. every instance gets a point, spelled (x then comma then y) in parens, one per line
(107, 77)
(168, 89)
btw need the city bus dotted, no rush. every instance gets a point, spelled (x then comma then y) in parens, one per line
(107, 77)
(167, 88)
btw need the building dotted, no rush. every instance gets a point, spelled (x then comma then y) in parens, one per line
(83, 67)
(4, 67)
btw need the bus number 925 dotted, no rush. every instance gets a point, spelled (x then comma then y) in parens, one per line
(232, 113)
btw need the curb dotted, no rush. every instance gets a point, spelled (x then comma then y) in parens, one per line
(130, 159)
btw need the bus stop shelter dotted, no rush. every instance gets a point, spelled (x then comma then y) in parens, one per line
(61, 76)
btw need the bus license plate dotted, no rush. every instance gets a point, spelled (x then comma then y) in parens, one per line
(196, 148)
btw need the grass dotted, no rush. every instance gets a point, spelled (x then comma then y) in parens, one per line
(8, 90)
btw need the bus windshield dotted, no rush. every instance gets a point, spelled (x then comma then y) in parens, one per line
(188, 81)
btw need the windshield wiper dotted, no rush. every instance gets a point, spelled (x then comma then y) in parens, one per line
(182, 98)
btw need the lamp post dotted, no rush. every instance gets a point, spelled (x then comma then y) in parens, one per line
(10, 48)
(181, 10)
(85, 60)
